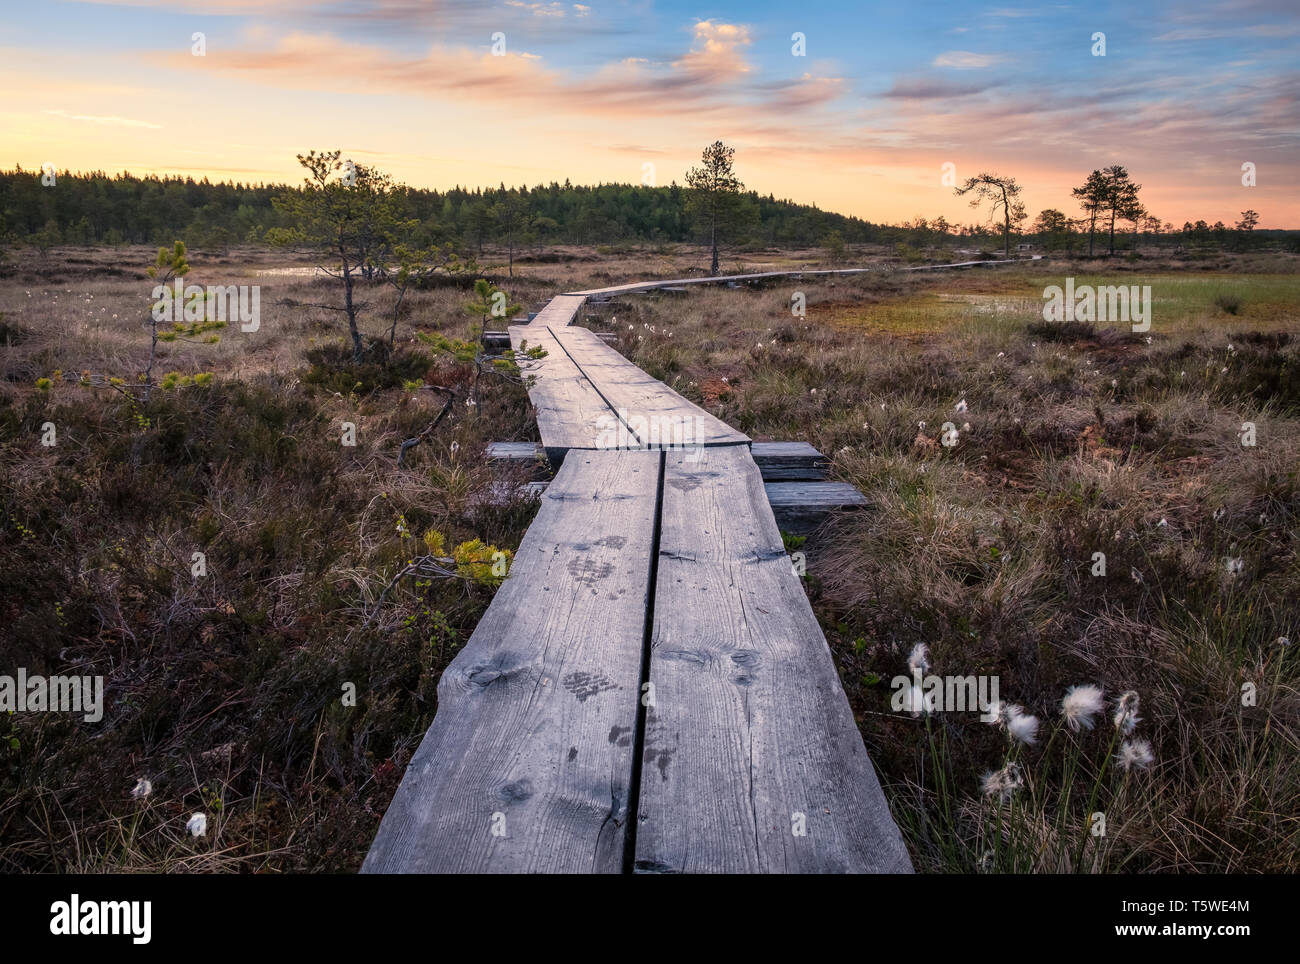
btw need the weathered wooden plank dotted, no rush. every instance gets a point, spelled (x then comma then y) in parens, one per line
(559, 311)
(502, 491)
(750, 734)
(605, 293)
(515, 451)
(788, 461)
(640, 286)
(777, 461)
(499, 341)
(651, 411)
(536, 715)
(570, 412)
(800, 507)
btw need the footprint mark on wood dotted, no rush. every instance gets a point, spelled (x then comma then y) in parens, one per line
(586, 685)
(517, 791)
(660, 745)
(586, 572)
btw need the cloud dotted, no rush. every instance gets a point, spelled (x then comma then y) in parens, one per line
(708, 78)
(965, 60)
(104, 120)
(717, 50)
(933, 88)
(553, 9)
(1272, 31)
(210, 7)
(803, 94)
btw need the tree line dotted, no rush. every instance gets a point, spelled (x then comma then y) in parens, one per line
(713, 207)
(124, 208)
(1108, 200)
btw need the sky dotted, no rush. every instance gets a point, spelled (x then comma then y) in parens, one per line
(860, 116)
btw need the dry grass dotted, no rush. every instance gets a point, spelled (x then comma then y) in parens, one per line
(1097, 442)
(1080, 441)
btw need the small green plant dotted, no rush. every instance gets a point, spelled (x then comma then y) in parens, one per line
(196, 322)
(490, 302)
(1228, 302)
(833, 245)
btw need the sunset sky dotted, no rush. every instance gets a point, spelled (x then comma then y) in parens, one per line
(886, 94)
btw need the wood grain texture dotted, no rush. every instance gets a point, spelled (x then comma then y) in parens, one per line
(497, 342)
(800, 507)
(536, 715)
(559, 311)
(651, 411)
(789, 461)
(514, 452)
(750, 726)
(777, 461)
(797, 507)
(570, 412)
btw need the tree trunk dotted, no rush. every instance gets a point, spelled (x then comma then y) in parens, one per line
(148, 372)
(713, 241)
(351, 308)
(392, 332)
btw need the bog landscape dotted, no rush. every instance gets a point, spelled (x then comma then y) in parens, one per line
(358, 516)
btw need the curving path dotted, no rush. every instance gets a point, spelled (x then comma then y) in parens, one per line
(649, 691)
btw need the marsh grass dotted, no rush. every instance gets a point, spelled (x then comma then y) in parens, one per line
(1081, 440)
(225, 690)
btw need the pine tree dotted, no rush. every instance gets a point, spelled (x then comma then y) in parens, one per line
(1092, 198)
(1003, 194)
(715, 193)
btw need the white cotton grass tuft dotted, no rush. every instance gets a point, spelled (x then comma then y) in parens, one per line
(1135, 754)
(919, 660)
(1235, 566)
(1080, 705)
(1022, 727)
(141, 789)
(1126, 709)
(197, 825)
(961, 406)
(1003, 783)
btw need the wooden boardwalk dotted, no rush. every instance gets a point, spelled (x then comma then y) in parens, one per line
(649, 691)
(528, 764)
(588, 396)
